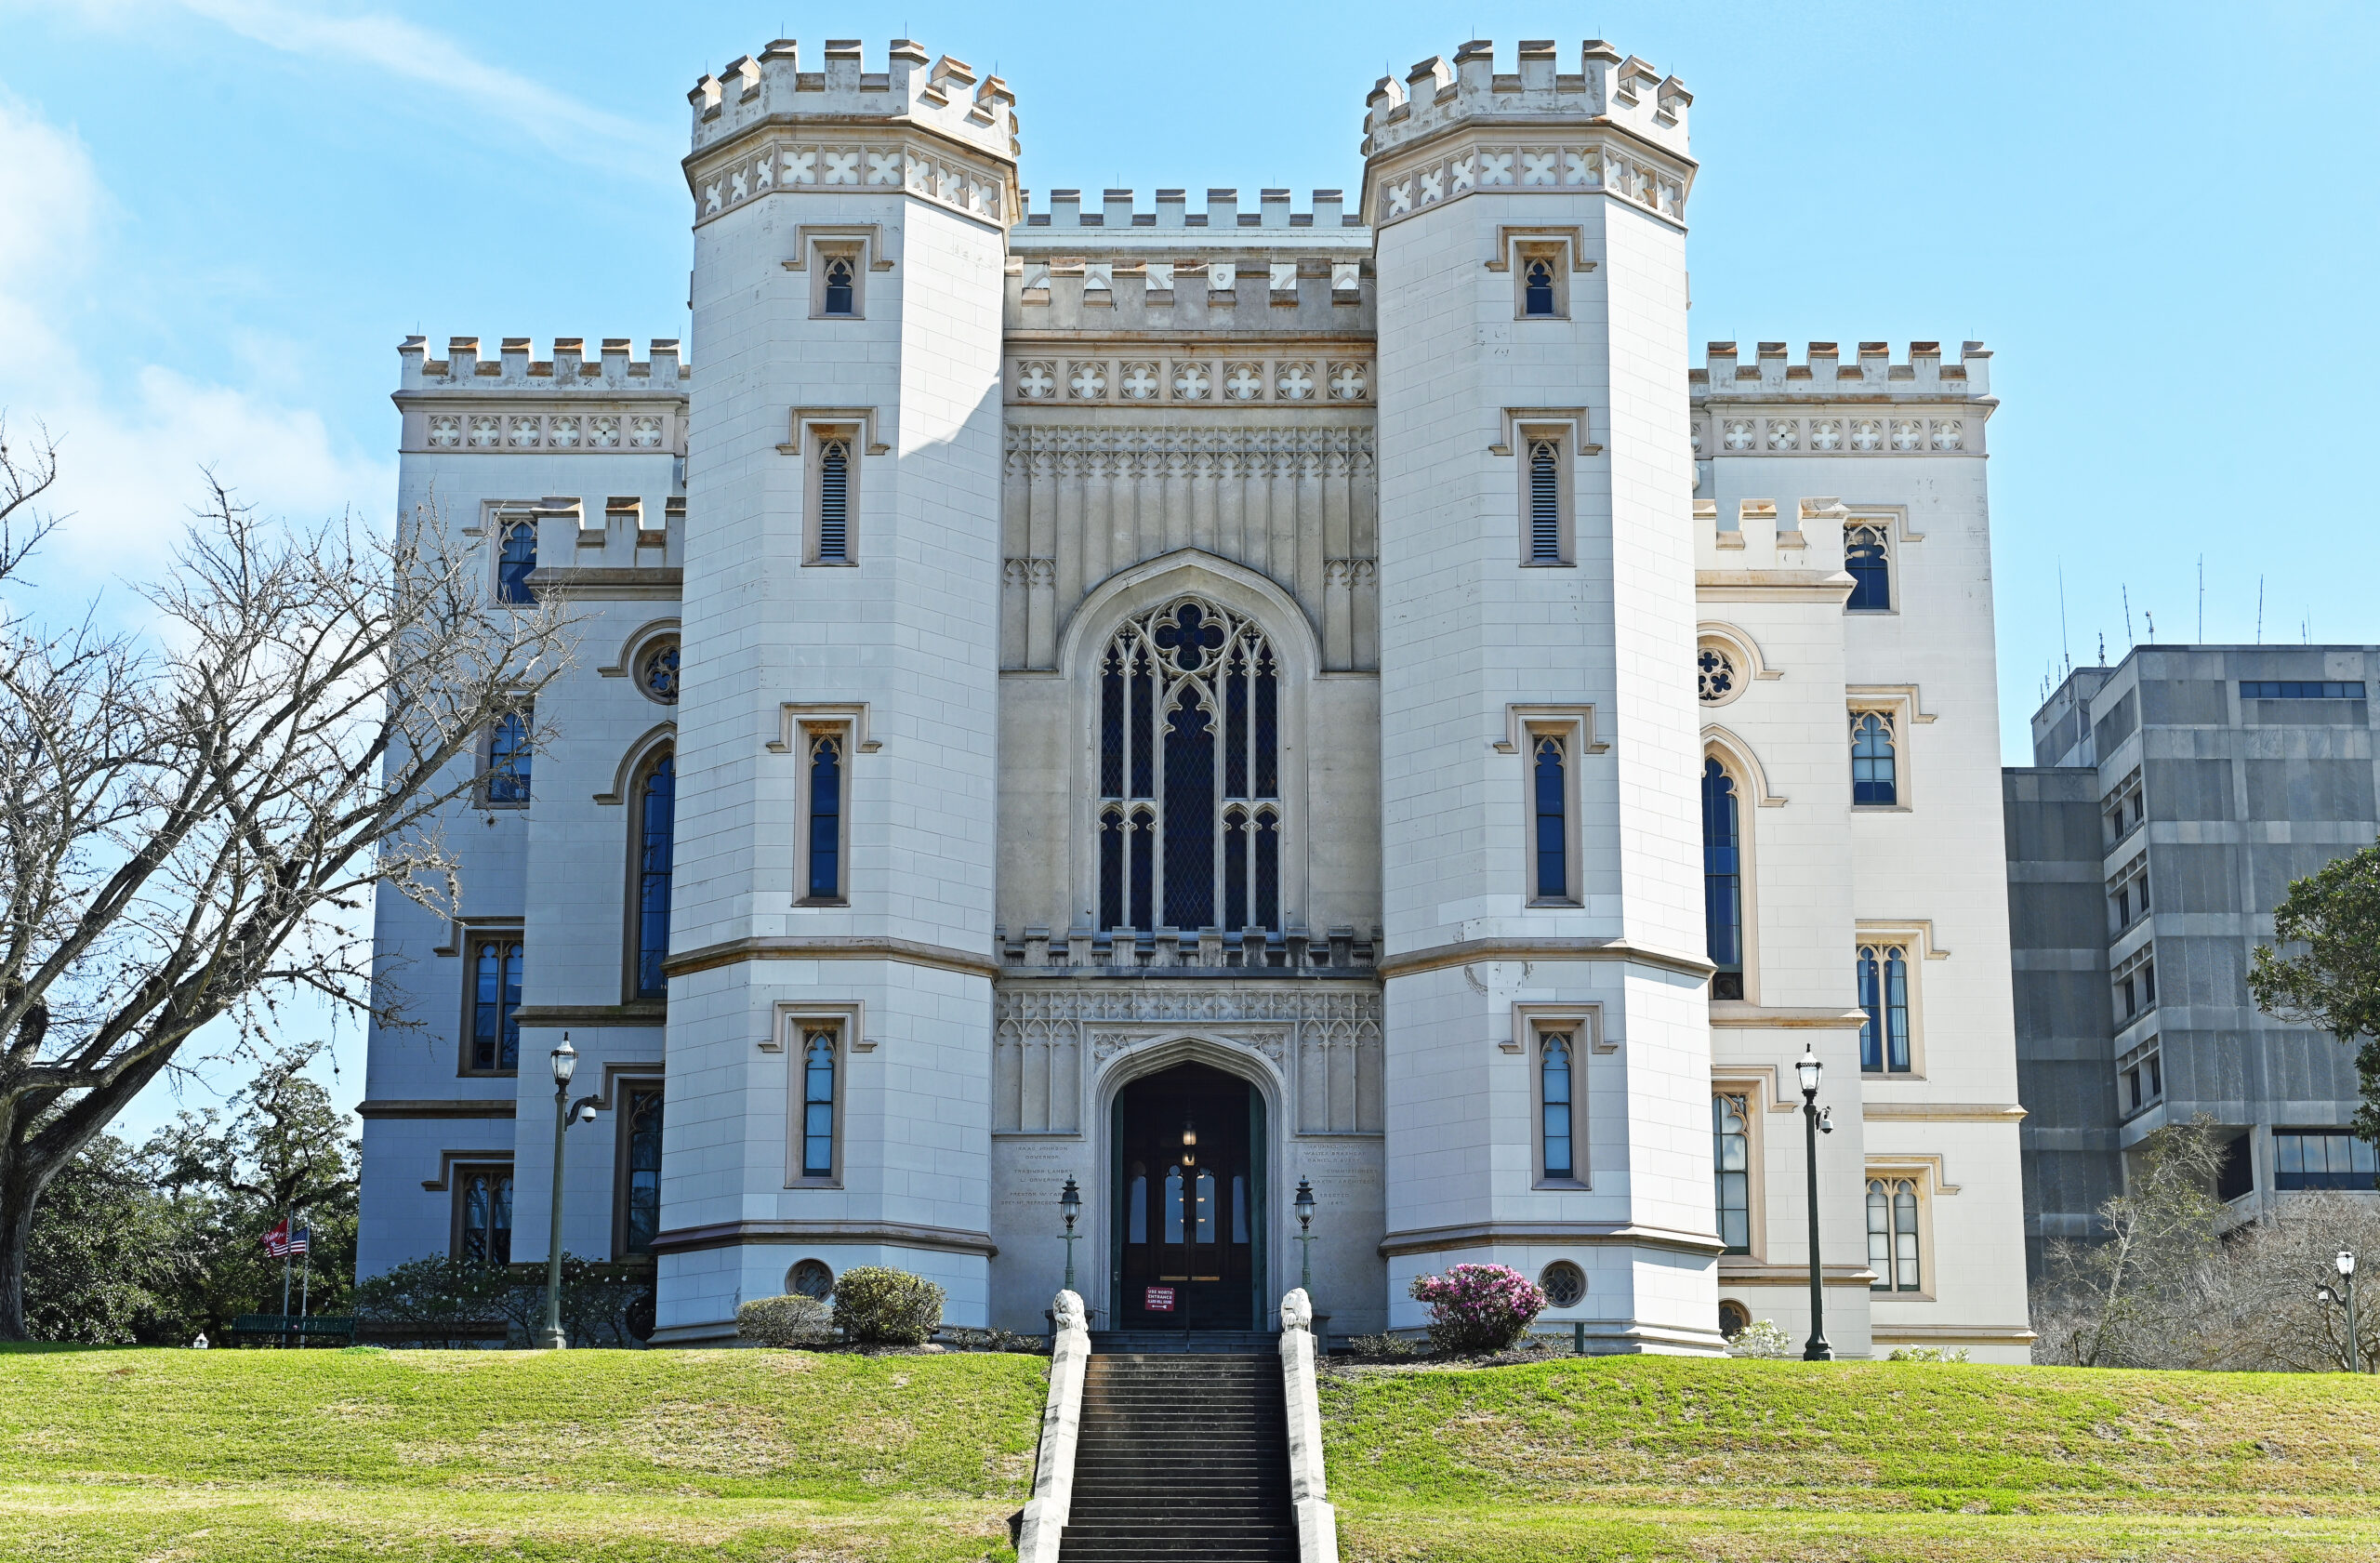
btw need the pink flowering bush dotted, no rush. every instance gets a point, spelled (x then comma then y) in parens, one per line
(1478, 1307)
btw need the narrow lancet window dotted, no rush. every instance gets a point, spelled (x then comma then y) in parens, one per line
(1552, 791)
(826, 818)
(656, 848)
(1723, 883)
(1555, 1090)
(818, 1104)
(1544, 503)
(834, 501)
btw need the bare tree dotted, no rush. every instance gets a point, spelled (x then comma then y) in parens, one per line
(2120, 1301)
(191, 826)
(2267, 1313)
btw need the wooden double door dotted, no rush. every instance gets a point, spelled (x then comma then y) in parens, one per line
(1189, 1202)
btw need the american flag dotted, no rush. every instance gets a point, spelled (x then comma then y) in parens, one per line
(283, 1241)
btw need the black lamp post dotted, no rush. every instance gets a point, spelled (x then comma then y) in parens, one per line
(1070, 1205)
(1809, 1068)
(1303, 1205)
(565, 1064)
(2345, 1263)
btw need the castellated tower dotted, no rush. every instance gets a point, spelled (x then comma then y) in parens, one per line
(1548, 1047)
(830, 986)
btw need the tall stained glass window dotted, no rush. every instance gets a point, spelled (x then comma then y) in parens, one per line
(1189, 821)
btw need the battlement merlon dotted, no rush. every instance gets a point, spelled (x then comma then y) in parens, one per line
(1824, 376)
(610, 371)
(945, 95)
(1114, 212)
(1436, 97)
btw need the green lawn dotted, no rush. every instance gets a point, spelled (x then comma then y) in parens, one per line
(440, 1457)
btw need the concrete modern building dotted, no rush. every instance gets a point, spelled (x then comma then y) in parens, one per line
(1202, 700)
(2172, 800)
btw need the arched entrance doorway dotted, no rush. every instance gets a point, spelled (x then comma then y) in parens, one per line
(1189, 1202)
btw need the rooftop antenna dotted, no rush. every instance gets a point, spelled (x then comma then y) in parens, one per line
(2065, 645)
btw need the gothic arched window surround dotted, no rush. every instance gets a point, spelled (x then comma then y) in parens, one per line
(652, 855)
(839, 268)
(1188, 765)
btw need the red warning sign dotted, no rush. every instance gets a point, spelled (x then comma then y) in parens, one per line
(1158, 1300)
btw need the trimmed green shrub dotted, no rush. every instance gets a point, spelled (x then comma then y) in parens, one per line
(875, 1306)
(790, 1320)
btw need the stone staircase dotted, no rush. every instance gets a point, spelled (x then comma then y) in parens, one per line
(1183, 1456)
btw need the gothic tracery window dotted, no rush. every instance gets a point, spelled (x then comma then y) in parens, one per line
(1189, 773)
(1866, 557)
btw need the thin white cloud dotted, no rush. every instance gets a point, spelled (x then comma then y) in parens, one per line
(133, 434)
(557, 120)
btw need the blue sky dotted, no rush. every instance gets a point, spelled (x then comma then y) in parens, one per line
(218, 216)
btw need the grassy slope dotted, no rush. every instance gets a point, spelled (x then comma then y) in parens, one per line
(433, 1457)
(1789, 1461)
(225, 1456)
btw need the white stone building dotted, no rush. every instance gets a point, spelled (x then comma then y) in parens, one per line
(1327, 685)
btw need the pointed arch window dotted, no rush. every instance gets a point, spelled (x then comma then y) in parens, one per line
(1875, 781)
(1866, 554)
(834, 500)
(1190, 816)
(656, 842)
(1544, 502)
(818, 1063)
(1723, 880)
(1554, 1096)
(1883, 999)
(838, 285)
(1550, 793)
(1536, 288)
(516, 557)
(826, 856)
(1731, 1168)
(508, 760)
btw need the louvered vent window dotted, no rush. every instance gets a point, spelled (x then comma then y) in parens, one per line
(834, 500)
(1544, 504)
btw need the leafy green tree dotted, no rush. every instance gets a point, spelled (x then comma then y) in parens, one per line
(112, 1262)
(2331, 920)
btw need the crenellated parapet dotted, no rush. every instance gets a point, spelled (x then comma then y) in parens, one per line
(1615, 127)
(1824, 376)
(934, 129)
(1117, 210)
(1825, 406)
(571, 401)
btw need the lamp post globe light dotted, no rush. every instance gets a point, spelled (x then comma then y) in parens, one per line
(1810, 1069)
(2346, 1273)
(1070, 1205)
(1303, 1205)
(564, 1061)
